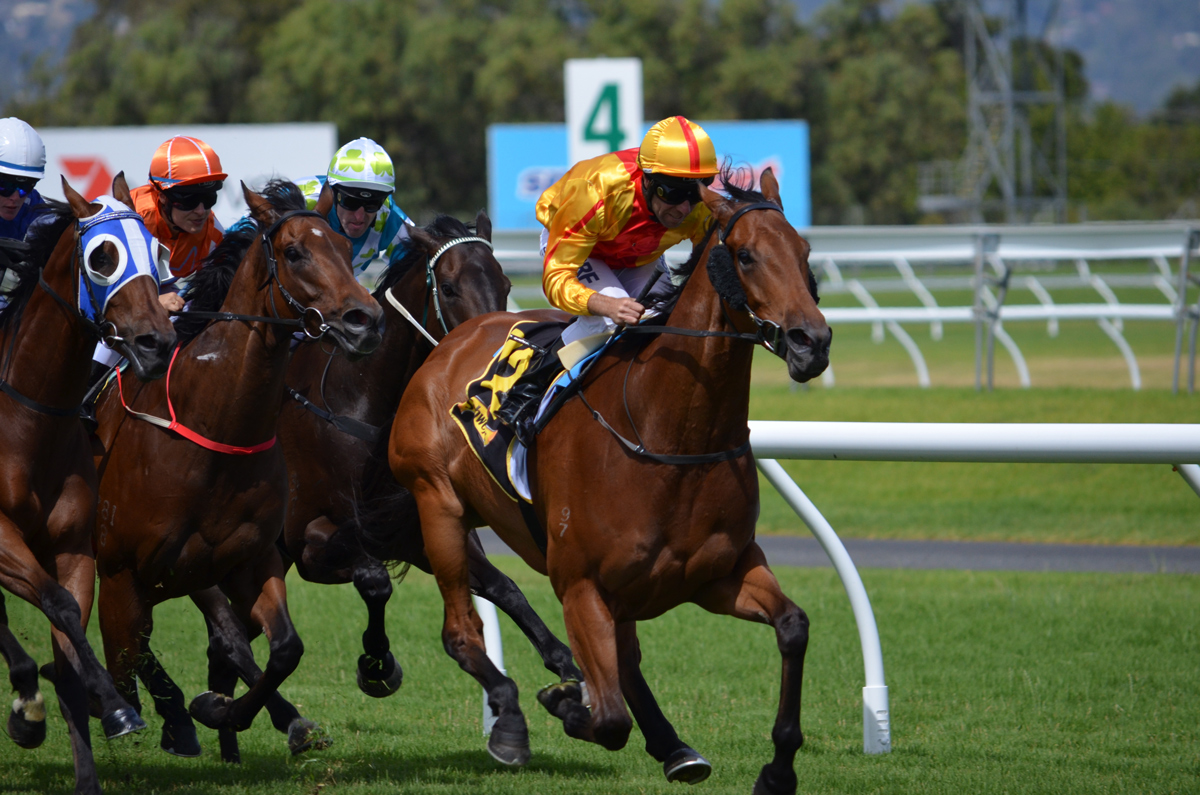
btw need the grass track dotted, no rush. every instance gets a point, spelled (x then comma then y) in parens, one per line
(1038, 683)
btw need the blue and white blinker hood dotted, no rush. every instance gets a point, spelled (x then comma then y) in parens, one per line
(138, 254)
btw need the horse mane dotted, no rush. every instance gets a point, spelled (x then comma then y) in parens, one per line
(209, 285)
(42, 238)
(441, 226)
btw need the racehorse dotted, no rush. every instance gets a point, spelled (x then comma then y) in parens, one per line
(201, 504)
(636, 528)
(91, 275)
(347, 518)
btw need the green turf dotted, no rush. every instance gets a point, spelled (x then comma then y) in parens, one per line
(1038, 683)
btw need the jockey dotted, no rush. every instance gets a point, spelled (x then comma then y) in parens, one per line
(609, 220)
(22, 164)
(363, 182)
(176, 204)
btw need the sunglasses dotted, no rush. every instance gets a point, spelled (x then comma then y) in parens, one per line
(192, 200)
(20, 187)
(678, 192)
(352, 203)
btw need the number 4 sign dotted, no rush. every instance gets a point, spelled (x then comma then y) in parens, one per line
(604, 105)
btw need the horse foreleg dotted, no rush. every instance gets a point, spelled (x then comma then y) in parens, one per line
(592, 631)
(27, 719)
(679, 761)
(379, 675)
(495, 586)
(230, 658)
(73, 703)
(752, 593)
(462, 631)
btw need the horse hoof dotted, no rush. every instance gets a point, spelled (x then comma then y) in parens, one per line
(27, 722)
(305, 735)
(180, 740)
(687, 766)
(123, 721)
(509, 743)
(767, 784)
(373, 679)
(552, 696)
(211, 709)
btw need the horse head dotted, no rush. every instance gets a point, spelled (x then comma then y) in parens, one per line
(121, 266)
(469, 281)
(309, 266)
(759, 267)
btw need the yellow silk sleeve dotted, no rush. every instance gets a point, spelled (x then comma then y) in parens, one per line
(574, 222)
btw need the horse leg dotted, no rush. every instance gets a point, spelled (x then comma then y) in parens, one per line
(752, 593)
(593, 636)
(495, 586)
(73, 703)
(679, 761)
(27, 720)
(263, 596)
(67, 606)
(379, 675)
(462, 631)
(126, 621)
(230, 658)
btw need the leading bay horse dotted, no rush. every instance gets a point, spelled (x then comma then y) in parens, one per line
(636, 528)
(201, 504)
(347, 518)
(90, 275)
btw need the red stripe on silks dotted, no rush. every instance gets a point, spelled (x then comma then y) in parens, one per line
(693, 146)
(574, 228)
(188, 433)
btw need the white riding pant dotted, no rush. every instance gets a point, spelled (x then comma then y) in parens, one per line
(620, 283)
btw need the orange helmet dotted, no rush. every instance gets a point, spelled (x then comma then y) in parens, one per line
(677, 147)
(185, 161)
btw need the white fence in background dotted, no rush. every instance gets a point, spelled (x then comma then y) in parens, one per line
(1177, 445)
(1002, 260)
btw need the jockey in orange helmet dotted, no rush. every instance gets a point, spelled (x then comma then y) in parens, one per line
(185, 175)
(610, 219)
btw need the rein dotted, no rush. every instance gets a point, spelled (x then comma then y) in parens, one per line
(358, 428)
(773, 345)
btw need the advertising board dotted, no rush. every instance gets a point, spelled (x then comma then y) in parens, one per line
(89, 157)
(525, 159)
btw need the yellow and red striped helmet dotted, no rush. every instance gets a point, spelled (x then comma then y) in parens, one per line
(679, 148)
(184, 160)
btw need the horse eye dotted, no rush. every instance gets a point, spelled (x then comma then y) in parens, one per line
(448, 290)
(101, 262)
(744, 256)
(292, 253)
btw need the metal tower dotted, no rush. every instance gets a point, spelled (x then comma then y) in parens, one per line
(1015, 163)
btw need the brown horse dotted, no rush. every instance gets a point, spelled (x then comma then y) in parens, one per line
(47, 478)
(347, 518)
(636, 527)
(179, 511)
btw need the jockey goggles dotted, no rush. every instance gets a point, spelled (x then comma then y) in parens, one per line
(188, 197)
(17, 185)
(677, 190)
(351, 199)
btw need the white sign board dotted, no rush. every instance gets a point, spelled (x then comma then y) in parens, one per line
(89, 157)
(604, 106)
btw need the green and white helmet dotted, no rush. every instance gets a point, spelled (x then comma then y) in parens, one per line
(362, 164)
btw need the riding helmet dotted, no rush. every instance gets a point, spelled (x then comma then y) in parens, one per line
(185, 161)
(22, 153)
(362, 165)
(677, 147)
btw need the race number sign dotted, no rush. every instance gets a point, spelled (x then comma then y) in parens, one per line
(604, 105)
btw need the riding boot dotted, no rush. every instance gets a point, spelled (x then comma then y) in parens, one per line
(521, 402)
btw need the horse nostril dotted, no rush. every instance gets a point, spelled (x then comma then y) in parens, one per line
(148, 343)
(356, 318)
(798, 338)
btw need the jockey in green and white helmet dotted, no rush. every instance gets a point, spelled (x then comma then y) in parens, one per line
(363, 182)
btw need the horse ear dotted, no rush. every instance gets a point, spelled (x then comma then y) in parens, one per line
(483, 225)
(770, 187)
(324, 201)
(718, 205)
(423, 239)
(260, 208)
(79, 205)
(120, 190)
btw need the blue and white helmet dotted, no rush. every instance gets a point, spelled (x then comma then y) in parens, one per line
(138, 254)
(22, 153)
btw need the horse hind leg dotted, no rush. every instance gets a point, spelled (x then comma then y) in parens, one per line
(379, 675)
(752, 593)
(680, 762)
(27, 720)
(178, 731)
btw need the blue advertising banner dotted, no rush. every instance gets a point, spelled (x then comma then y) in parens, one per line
(525, 159)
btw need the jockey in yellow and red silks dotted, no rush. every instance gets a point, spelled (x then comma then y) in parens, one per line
(610, 219)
